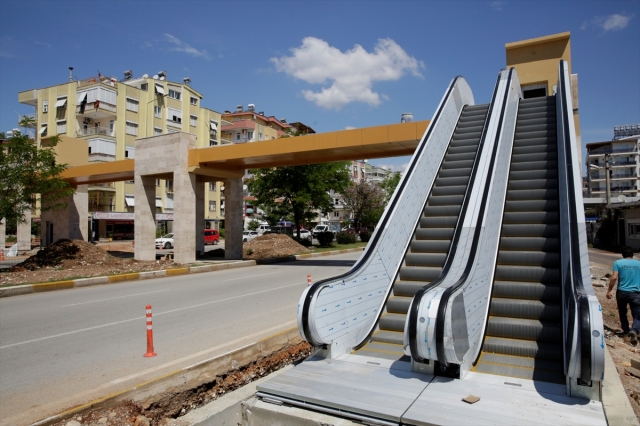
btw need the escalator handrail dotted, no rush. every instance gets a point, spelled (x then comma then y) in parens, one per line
(579, 295)
(444, 300)
(319, 285)
(417, 298)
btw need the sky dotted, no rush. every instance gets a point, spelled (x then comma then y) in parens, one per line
(331, 65)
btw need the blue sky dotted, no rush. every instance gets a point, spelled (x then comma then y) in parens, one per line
(331, 64)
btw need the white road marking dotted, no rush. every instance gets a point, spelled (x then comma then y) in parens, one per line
(156, 314)
(113, 298)
(251, 276)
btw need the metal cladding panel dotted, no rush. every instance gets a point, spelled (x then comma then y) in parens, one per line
(354, 301)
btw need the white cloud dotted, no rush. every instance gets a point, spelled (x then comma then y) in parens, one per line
(349, 127)
(615, 22)
(351, 73)
(181, 46)
(497, 5)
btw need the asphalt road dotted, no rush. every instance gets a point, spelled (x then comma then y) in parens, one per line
(65, 348)
(603, 258)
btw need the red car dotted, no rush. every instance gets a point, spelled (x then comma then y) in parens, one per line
(211, 236)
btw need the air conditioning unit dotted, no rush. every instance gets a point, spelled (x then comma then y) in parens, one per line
(87, 120)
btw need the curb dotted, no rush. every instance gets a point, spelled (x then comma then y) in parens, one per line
(112, 279)
(188, 377)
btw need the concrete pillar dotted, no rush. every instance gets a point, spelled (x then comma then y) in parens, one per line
(24, 232)
(162, 157)
(184, 216)
(144, 218)
(71, 222)
(233, 222)
(199, 223)
(3, 232)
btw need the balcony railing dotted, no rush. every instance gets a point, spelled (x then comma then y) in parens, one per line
(92, 131)
(109, 81)
(609, 150)
(88, 107)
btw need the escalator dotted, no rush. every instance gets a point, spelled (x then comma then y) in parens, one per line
(524, 336)
(431, 241)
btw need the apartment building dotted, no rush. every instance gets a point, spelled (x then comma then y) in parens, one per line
(244, 126)
(621, 154)
(99, 119)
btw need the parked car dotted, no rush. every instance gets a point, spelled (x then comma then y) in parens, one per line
(211, 236)
(249, 235)
(165, 242)
(305, 234)
(322, 228)
(263, 228)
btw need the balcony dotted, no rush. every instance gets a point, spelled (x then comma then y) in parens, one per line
(97, 109)
(609, 150)
(93, 131)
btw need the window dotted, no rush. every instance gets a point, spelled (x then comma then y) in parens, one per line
(259, 136)
(111, 125)
(144, 86)
(212, 186)
(62, 126)
(169, 185)
(157, 182)
(45, 106)
(159, 88)
(129, 152)
(132, 104)
(336, 214)
(213, 142)
(174, 115)
(250, 135)
(194, 101)
(193, 120)
(43, 130)
(237, 136)
(634, 230)
(174, 92)
(212, 206)
(61, 102)
(132, 128)
(157, 112)
(336, 201)
(157, 131)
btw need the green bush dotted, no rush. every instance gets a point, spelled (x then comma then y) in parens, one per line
(253, 225)
(303, 241)
(325, 238)
(11, 239)
(249, 251)
(365, 236)
(345, 238)
(221, 232)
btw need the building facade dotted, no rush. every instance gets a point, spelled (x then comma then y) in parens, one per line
(242, 126)
(99, 119)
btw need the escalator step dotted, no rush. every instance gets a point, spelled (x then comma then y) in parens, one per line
(526, 309)
(392, 322)
(435, 260)
(532, 174)
(529, 258)
(533, 184)
(446, 200)
(452, 181)
(452, 173)
(449, 190)
(434, 233)
(530, 244)
(538, 156)
(526, 290)
(438, 221)
(534, 372)
(462, 164)
(525, 348)
(393, 337)
(407, 288)
(534, 165)
(531, 206)
(535, 149)
(513, 219)
(398, 304)
(416, 273)
(442, 210)
(524, 329)
(530, 274)
(430, 246)
(532, 194)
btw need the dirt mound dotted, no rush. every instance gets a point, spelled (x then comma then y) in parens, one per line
(63, 252)
(272, 245)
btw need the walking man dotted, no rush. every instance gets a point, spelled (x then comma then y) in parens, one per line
(627, 272)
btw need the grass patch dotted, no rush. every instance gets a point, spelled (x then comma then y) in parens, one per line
(319, 249)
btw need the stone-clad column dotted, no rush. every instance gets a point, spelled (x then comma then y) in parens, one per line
(233, 222)
(184, 216)
(24, 232)
(71, 222)
(199, 223)
(144, 217)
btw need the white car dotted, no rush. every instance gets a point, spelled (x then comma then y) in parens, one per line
(249, 235)
(165, 242)
(305, 234)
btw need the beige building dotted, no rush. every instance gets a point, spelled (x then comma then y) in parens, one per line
(99, 119)
(250, 126)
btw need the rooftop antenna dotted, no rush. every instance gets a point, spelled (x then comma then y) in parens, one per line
(70, 74)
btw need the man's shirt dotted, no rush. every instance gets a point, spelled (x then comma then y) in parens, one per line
(628, 274)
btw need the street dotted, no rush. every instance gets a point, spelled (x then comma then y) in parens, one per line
(603, 258)
(64, 348)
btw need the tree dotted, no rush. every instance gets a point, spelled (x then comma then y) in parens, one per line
(27, 121)
(26, 171)
(366, 201)
(389, 184)
(303, 189)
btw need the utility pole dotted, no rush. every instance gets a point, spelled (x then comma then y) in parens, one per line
(606, 171)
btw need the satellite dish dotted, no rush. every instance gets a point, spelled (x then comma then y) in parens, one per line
(621, 198)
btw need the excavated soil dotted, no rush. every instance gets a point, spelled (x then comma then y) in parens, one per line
(619, 347)
(272, 245)
(71, 259)
(176, 405)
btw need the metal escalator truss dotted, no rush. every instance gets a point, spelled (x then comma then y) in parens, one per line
(341, 312)
(582, 315)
